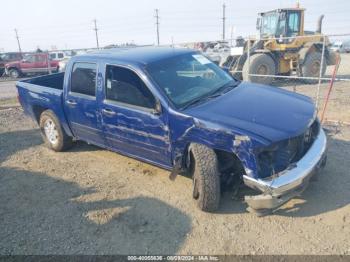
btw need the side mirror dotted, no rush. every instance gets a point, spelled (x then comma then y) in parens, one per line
(258, 23)
(158, 108)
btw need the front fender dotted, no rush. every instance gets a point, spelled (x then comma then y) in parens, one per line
(193, 131)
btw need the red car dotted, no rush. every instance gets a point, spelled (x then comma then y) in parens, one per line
(31, 64)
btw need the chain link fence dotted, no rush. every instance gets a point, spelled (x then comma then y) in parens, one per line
(303, 64)
(308, 64)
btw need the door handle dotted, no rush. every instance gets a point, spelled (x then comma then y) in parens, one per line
(108, 112)
(71, 102)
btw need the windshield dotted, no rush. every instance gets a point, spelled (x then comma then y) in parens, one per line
(4, 56)
(273, 24)
(187, 78)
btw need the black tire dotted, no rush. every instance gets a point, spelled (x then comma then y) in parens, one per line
(62, 141)
(206, 178)
(260, 64)
(311, 67)
(14, 73)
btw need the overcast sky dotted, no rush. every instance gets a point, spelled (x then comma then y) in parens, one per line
(67, 24)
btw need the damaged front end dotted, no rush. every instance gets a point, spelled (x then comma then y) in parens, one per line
(285, 169)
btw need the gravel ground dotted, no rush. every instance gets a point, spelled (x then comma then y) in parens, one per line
(92, 201)
(7, 89)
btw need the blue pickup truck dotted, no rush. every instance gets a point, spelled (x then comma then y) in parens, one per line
(176, 109)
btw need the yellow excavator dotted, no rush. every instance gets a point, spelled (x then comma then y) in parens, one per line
(282, 48)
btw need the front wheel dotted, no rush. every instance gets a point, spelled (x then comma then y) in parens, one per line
(52, 132)
(14, 73)
(206, 177)
(260, 68)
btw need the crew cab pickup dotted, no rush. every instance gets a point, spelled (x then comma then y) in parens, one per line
(31, 64)
(176, 109)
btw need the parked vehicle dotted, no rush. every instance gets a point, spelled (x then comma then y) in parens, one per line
(8, 57)
(59, 55)
(341, 47)
(31, 64)
(282, 48)
(176, 109)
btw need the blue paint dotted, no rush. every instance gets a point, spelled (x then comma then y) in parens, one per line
(243, 121)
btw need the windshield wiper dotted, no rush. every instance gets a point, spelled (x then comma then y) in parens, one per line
(194, 101)
(223, 89)
(218, 92)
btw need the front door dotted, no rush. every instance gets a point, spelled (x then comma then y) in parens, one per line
(28, 63)
(81, 105)
(132, 125)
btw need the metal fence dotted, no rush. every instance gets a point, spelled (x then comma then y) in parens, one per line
(316, 86)
(326, 81)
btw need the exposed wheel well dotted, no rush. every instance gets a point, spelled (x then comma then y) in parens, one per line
(229, 164)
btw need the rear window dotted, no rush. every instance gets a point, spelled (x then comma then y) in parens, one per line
(83, 78)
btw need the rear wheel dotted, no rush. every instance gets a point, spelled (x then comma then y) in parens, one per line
(206, 178)
(14, 73)
(52, 132)
(311, 67)
(259, 64)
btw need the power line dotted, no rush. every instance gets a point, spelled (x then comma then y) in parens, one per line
(96, 29)
(19, 45)
(157, 24)
(223, 21)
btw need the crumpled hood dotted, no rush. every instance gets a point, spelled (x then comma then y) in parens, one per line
(262, 111)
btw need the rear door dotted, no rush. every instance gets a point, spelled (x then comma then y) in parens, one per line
(40, 65)
(131, 122)
(81, 105)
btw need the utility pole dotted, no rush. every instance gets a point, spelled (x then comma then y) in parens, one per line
(96, 29)
(19, 45)
(223, 21)
(157, 24)
(232, 29)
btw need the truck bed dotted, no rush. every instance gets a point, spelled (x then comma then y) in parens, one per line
(53, 81)
(42, 93)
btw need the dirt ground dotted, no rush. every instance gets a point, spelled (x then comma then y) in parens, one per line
(92, 201)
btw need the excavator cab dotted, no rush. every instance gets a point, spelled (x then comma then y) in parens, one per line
(281, 23)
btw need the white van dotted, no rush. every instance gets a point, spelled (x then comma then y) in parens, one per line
(341, 47)
(58, 55)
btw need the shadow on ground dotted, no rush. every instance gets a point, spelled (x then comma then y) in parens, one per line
(40, 214)
(45, 215)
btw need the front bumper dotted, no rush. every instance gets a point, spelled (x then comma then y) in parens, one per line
(290, 182)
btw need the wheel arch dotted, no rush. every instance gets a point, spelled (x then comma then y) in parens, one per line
(15, 68)
(227, 159)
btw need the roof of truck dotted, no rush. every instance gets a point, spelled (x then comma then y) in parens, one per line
(143, 55)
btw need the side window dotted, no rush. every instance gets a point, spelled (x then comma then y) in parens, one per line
(123, 85)
(83, 78)
(40, 58)
(60, 55)
(30, 58)
(293, 23)
(53, 56)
